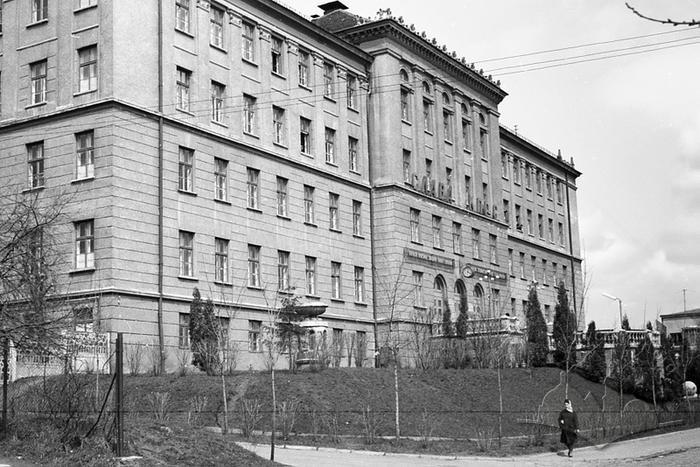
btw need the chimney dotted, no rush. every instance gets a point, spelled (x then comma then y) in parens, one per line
(330, 7)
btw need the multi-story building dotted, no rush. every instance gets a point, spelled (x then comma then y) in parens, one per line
(240, 148)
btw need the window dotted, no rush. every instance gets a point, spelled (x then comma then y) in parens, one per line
(39, 10)
(545, 280)
(405, 105)
(359, 284)
(352, 154)
(504, 165)
(468, 190)
(352, 92)
(186, 254)
(283, 280)
(305, 135)
(417, 288)
(560, 232)
(506, 211)
(186, 170)
(37, 72)
(221, 260)
(437, 232)
(528, 176)
(84, 245)
(511, 270)
(254, 336)
(328, 80)
(253, 266)
(493, 249)
(530, 229)
(550, 230)
(356, 218)
(533, 267)
(182, 15)
(183, 89)
(85, 160)
(518, 218)
(303, 65)
(183, 340)
(516, 171)
(522, 265)
(485, 193)
(564, 275)
(361, 339)
(35, 164)
(220, 179)
(276, 49)
(538, 182)
(248, 114)
(406, 166)
(555, 272)
(282, 197)
(86, 3)
(540, 225)
(253, 188)
(336, 283)
(415, 225)
(560, 195)
(447, 125)
(217, 101)
(248, 42)
(333, 221)
(548, 184)
(427, 115)
(484, 143)
(310, 275)
(457, 238)
(330, 145)
(216, 27)
(309, 204)
(476, 244)
(87, 69)
(278, 126)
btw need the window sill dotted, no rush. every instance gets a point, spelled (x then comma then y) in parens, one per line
(284, 218)
(355, 172)
(528, 188)
(81, 180)
(420, 307)
(310, 224)
(428, 132)
(32, 189)
(258, 210)
(362, 304)
(307, 154)
(280, 145)
(188, 278)
(223, 201)
(247, 133)
(36, 104)
(439, 248)
(459, 254)
(85, 8)
(185, 111)
(336, 230)
(218, 47)
(221, 124)
(303, 86)
(186, 192)
(249, 62)
(417, 243)
(313, 296)
(38, 23)
(447, 141)
(329, 98)
(354, 109)
(359, 237)
(223, 283)
(82, 271)
(186, 33)
(82, 93)
(407, 122)
(477, 259)
(278, 75)
(332, 164)
(504, 177)
(254, 287)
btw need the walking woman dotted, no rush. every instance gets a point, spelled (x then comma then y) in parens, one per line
(568, 422)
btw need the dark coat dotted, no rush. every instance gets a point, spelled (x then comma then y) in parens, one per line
(568, 422)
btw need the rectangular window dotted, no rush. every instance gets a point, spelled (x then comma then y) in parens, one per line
(330, 145)
(305, 135)
(283, 278)
(533, 267)
(253, 266)
(216, 27)
(221, 260)
(468, 191)
(550, 230)
(282, 197)
(560, 194)
(528, 176)
(545, 279)
(186, 254)
(87, 69)
(333, 219)
(518, 218)
(417, 288)
(447, 125)
(466, 132)
(40, 10)
(248, 114)
(484, 143)
(309, 217)
(415, 225)
(511, 267)
(253, 191)
(405, 105)
(352, 154)
(457, 238)
(35, 164)
(516, 171)
(493, 249)
(352, 92)
(522, 265)
(183, 340)
(555, 272)
(427, 115)
(564, 275)
(276, 49)
(548, 313)
(85, 158)
(548, 184)
(186, 170)
(303, 65)
(336, 284)
(254, 336)
(84, 245)
(328, 80)
(540, 225)
(182, 15)
(407, 166)
(437, 232)
(485, 193)
(278, 125)
(183, 89)
(476, 244)
(356, 218)
(310, 275)
(359, 284)
(504, 165)
(217, 102)
(37, 72)
(220, 179)
(506, 211)
(248, 42)
(530, 227)
(560, 232)
(538, 182)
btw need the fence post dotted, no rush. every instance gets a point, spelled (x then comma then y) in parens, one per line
(120, 393)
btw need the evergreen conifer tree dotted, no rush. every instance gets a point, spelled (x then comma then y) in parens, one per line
(204, 334)
(595, 363)
(564, 330)
(462, 324)
(446, 321)
(537, 344)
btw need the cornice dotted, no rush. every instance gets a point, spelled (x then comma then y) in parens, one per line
(509, 135)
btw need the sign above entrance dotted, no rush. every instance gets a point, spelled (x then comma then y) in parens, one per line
(469, 271)
(428, 259)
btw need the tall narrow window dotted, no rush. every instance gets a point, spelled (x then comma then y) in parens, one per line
(39, 10)
(220, 179)
(352, 154)
(221, 260)
(466, 134)
(406, 166)
(310, 275)
(84, 245)
(533, 267)
(336, 284)
(468, 191)
(516, 171)
(248, 42)
(254, 336)
(528, 176)
(511, 267)
(540, 226)
(538, 181)
(457, 238)
(356, 218)
(359, 284)
(248, 114)
(484, 143)
(37, 72)
(183, 89)
(182, 15)
(447, 125)
(506, 211)
(217, 101)
(186, 170)
(330, 145)
(278, 125)
(476, 244)
(276, 48)
(35, 164)
(560, 193)
(87, 69)
(518, 218)
(216, 26)
(548, 184)
(405, 105)
(427, 115)
(530, 228)
(309, 217)
(417, 288)
(303, 65)
(283, 278)
(253, 266)
(522, 265)
(415, 225)
(328, 80)
(282, 197)
(437, 232)
(560, 232)
(545, 279)
(333, 219)
(504, 164)
(183, 333)
(305, 135)
(186, 254)
(352, 92)
(493, 249)
(253, 188)
(85, 161)
(550, 230)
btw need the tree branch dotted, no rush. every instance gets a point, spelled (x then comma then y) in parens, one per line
(672, 22)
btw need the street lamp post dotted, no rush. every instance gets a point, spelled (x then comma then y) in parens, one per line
(619, 303)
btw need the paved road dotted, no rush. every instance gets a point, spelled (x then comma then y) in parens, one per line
(671, 449)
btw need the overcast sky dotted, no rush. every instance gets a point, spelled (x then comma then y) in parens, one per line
(631, 123)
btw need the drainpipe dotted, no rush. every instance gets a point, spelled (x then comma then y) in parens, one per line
(161, 335)
(571, 246)
(371, 221)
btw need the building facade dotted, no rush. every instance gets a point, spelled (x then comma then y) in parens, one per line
(243, 149)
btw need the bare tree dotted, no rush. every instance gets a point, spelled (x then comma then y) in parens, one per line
(672, 22)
